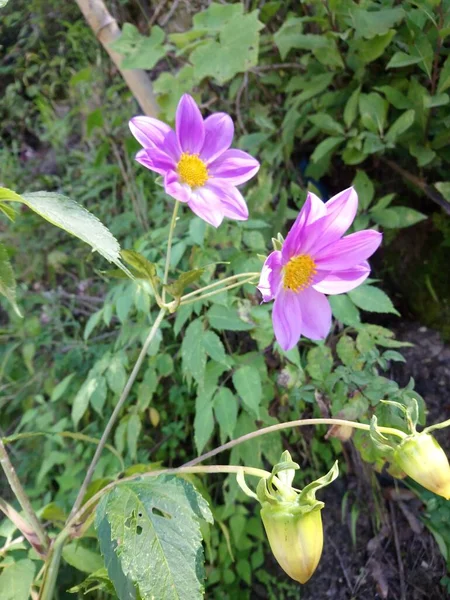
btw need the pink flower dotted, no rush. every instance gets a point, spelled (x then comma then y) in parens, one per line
(315, 260)
(196, 162)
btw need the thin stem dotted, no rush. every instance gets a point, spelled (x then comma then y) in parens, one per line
(213, 293)
(52, 567)
(116, 411)
(22, 497)
(216, 283)
(169, 248)
(289, 424)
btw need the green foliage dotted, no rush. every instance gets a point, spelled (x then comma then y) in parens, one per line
(153, 528)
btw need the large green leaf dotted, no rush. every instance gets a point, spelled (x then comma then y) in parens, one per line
(155, 534)
(247, 382)
(7, 279)
(16, 580)
(193, 353)
(372, 299)
(73, 218)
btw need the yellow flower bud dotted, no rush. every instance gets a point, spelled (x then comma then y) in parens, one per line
(421, 457)
(296, 539)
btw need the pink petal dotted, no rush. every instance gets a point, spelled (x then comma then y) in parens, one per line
(189, 125)
(341, 211)
(316, 313)
(233, 203)
(270, 278)
(235, 166)
(171, 146)
(339, 282)
(149, 132)
(205, 203)
(179, 191)
(312, 210)
(287, 319)
(156, 160)
(219, 131)
(348, 252)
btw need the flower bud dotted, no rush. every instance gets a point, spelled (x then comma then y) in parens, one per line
(421, 457)
(296, 539)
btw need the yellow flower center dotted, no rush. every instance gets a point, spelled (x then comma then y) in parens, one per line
(192, 170)
(299, 272)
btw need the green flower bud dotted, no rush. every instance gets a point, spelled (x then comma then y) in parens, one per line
(421, 457)
(296, 538)
(292, 518)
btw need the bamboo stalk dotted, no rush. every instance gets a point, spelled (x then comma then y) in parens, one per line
(107, 31)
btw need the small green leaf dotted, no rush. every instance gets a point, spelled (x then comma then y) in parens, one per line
(444, 188)
(326, 123)
(214, 347)
(373, 109)
(319, 362)
(144, 267)
(351, 108)
(7, 280)
(193, 353)
(326, 147)
(344, 309)
(369, 24)
(247, 382)
(16, 579)
(204, 420)
(401, 59)
(177, 288)
(60, 389)
(364, 188)
(226, 411)
(155, 533)
(444, 77)
(372, 299)
(397, 217)
(402, 124)
(83, 559)
(139, 51)
(8, 211)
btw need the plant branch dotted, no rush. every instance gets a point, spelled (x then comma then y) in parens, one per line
(288, 425)
(116, 411)
(20, 494)
(217, 283)
(213, 293)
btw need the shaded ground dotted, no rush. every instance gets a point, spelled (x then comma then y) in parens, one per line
(402, 561)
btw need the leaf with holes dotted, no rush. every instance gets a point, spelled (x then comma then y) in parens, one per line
(154, 529)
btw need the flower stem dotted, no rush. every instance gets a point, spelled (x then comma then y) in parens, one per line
(219, 282)
(116, 411)
(214, 292)
(52, 566)
(290, 424)
(169, 248)
(22, 497)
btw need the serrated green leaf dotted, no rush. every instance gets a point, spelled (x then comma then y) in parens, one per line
(247, 382)
(346, 350)
(401, 59)
(7, 279)
(156, 535)
(368, 24)
(319, 362)
(402, 124)
(214, 347)
(224, 318)
(16, 579)
(67, 214)
(372, 299)
(397, 217)
(83, 559)
(226, 411)
(344, 309)
(140, 51)
(193, 353)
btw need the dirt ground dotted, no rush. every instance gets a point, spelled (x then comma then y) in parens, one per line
(396, 559)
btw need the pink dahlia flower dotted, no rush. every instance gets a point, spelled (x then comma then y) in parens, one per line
(196, 162)
(315, 260)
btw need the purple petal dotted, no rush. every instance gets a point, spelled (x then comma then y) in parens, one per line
(205, 203)
(316, 313)
(149, 132)
(179, 191)
(312, 210)
(270, 279)
(348, 252)
(339, 282)
(287, 319)
(156, 160)
(233, 203)
(171, 146)
(341, 211)
(235, 166)
(219, 131)
(189, 125)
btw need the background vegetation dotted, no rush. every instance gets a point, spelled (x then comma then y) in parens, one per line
(325, 94)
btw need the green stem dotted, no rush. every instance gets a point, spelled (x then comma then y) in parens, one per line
(116, 411)
(52, 567)
(219, 282)
(214, 292)
(22, 497)
(290, 424)
(169, 249)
